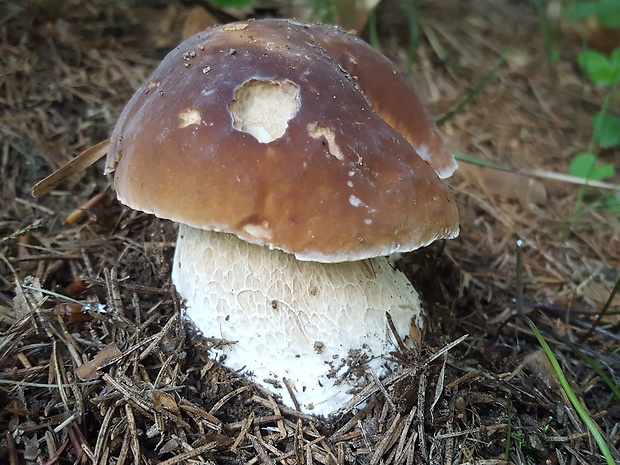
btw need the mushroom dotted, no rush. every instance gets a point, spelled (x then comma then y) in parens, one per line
(295, 158)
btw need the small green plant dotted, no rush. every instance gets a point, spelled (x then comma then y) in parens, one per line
(526, 449)
(232, 3)
(606, 12)
(602, 71)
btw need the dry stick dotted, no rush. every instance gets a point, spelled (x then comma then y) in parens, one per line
(262, 453)
(244, 430)
(211, 421)
(283, 409)
(439, 386)
(449, 447)
(445, 349)
(381, 387)
(361, 396)
(132, 287)
(289, 454)
(183, 458)
(268, 446)
(159, 336)
(36, 319)
(140, 344)
(340, 453)
(131, 422)
(258, 421)
(298, 441)
(350, 436)
(549, 175)
(519, 283)
(403, 435)
(481, 429)
(365, 438)
(79, 163)
(276, 411)
(80, 446)
(130, 396)
(289, 388)
(114, 293)
(12, 448)
(105, 458)
(50, 442)
(390, 458)
(35, 206)
(383, 415)
(466, 377)
(103, 436)
(20, 232)
(399, 340)
(60, 381)
(309, 458)
(124, 453)
(388, 439)
(68, 421)
(56, 457)
(321, 439)
(227, 397)
(411, 449)
(421, 401)
(80, 212)
(603, 311)
(163, 371)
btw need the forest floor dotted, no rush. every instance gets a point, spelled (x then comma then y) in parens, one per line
(97, 288)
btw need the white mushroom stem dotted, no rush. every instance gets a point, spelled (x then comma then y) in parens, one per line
(320, 326)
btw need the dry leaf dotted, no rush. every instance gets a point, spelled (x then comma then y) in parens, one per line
(538, 362)
(506, 185)
(160, 25)
(72, 313)
(165, 400)
(25, 299)
(106, 356)
(348, 14)
(198, 19)
(595, 35)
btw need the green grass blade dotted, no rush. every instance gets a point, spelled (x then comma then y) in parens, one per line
(471, 95)
(605, 308)
(585, 416)
(545, 31)
(595, 366)
(414, 35)
(373, 31)
(509, 432)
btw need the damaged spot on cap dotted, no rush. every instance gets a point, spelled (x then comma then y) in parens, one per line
(235, 26)
(316, 132)
(189, 117)
(263, 108)
(259, 231)
(355, 201)
(151, 85)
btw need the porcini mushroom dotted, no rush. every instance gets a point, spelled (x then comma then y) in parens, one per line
(295, 158)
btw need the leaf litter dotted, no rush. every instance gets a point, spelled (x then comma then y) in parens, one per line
(98, 366)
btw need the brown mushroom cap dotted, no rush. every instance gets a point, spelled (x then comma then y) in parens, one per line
(336, 181)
